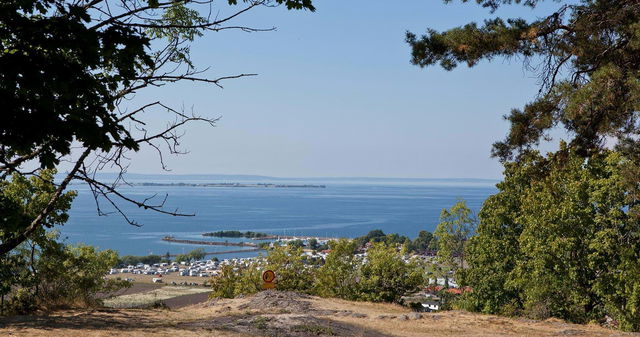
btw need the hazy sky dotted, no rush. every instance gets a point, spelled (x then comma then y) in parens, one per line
(336, 95)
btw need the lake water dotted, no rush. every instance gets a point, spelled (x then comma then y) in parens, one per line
(342, 209)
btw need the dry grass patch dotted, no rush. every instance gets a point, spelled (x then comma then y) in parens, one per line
(149, 298)
(166, 279)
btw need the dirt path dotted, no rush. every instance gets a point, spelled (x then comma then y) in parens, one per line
(186, 300)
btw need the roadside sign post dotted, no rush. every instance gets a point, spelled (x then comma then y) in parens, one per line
(268, 278)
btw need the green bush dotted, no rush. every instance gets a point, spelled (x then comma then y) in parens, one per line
(338, 276)
(291, 268)
(224, 284)
(194, 255)
(73, 275)
(134, 260)
(42, 273)
(52, 275)
(385, 276)
(293, 271)
(382, 277)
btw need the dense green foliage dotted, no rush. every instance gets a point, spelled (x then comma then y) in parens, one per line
(558, 240)
(562, 236)
(454, 230)
(59, 78)
(298, 243)
(227, 283)
(292, 268)
(313, 244)
(424, 242)
(133, 260)
(383, 276)
(21, 200)
(194, 255)
(338, 277)
(378, 235)
(43, 273)
(290, 265)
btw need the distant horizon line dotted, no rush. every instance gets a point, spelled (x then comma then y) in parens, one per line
(256, 176)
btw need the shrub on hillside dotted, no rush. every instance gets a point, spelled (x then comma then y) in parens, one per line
(338, 276)
(292, 269)
(46, 274)
(384, 276)
(224, 284)
(74, 275)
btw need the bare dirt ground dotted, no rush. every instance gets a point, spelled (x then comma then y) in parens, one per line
(285, 314)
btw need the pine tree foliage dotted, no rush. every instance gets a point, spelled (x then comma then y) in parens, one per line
(589, 67)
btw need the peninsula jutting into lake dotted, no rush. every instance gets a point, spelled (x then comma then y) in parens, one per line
(264, 185)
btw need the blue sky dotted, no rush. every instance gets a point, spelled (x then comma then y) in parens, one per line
(337, 96)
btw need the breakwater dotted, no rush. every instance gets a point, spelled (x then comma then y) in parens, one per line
(221, 252)
(210, 243)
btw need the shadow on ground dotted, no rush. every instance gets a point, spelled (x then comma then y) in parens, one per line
(102, 319)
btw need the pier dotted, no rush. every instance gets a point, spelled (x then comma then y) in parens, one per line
(226, 252)
(210, 243)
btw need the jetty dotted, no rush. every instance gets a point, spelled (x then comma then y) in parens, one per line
(221, 252)
(210, 243)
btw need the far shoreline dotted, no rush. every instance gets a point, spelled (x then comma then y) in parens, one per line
(260, 185)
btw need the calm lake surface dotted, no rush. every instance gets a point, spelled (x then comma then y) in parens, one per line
(342, 209)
